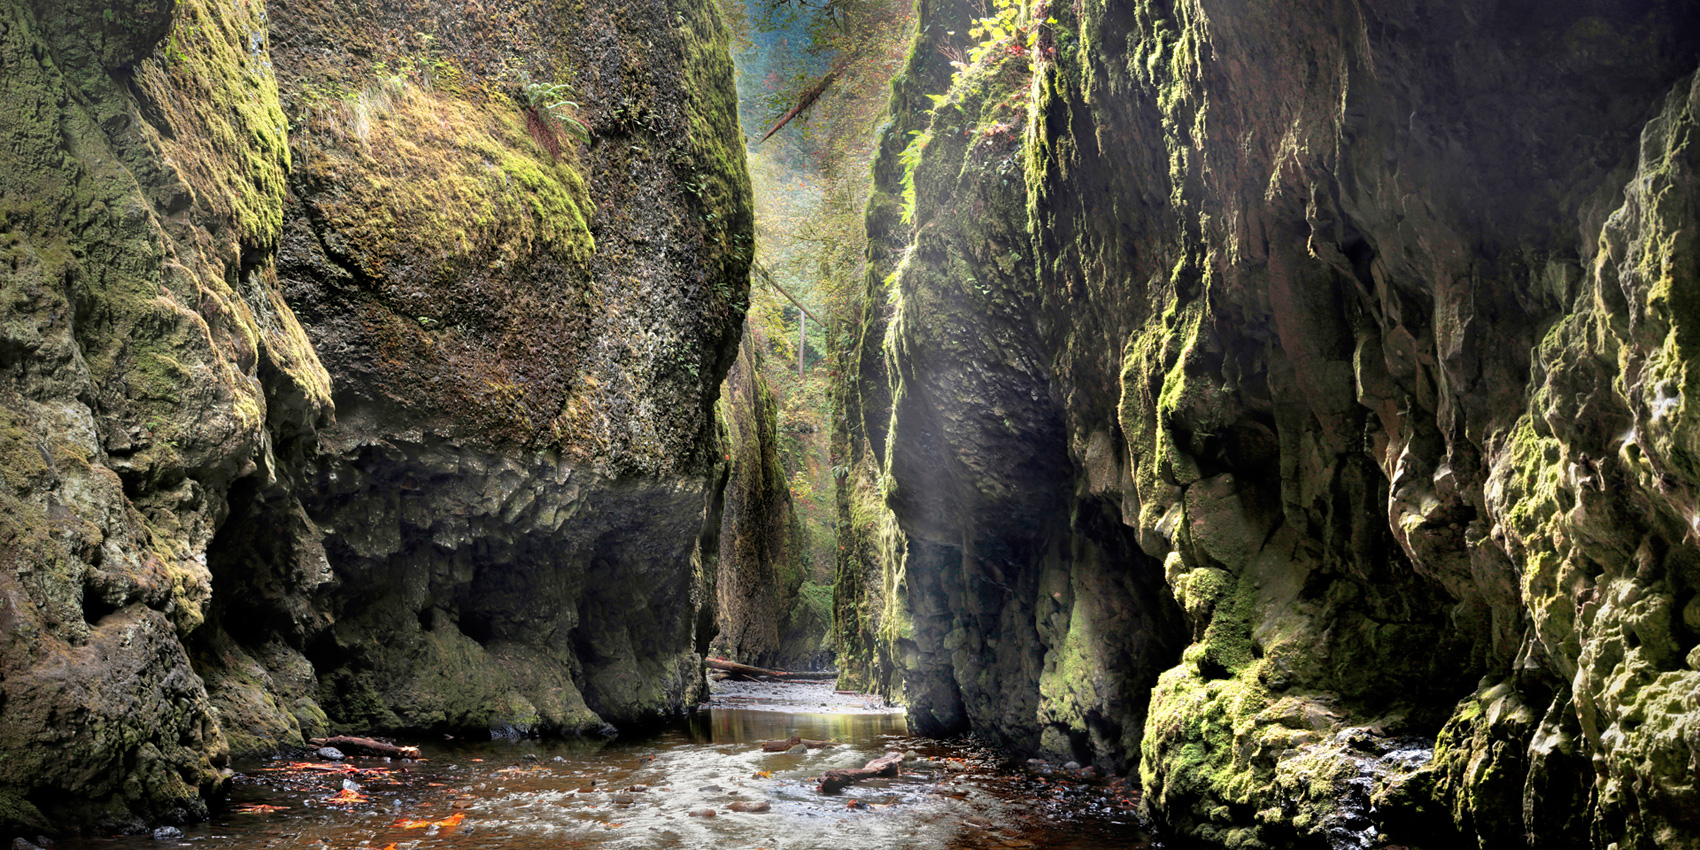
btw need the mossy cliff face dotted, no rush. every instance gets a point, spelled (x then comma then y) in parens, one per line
(1361, 327)
(147, 365)
(523, 333)
(525, 307)
(975, 583)
(762, 617)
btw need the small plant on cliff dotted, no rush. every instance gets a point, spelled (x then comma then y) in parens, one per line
(176, 44)
(911, 160)
(1004, 30)
(548, 103)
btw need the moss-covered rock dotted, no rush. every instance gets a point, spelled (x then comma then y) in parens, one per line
(520, 238)
(522, 308)
(1367, 324)
(149, 368)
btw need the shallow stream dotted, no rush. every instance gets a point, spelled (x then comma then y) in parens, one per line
(642, 792)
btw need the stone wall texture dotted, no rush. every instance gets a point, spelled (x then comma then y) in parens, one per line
(358, 367)
(1290, 400)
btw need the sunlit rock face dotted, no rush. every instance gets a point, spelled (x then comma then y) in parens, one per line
(147, 365)
(359, 364)
(1365, 328)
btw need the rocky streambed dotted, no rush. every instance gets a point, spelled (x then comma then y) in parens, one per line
(657, 791)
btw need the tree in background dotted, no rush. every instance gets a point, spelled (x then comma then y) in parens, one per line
(826, 66)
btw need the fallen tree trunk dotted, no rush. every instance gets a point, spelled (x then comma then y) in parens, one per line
(748, 672)
(832, 781)
(794, 740)
(807, 98)
(365, 746)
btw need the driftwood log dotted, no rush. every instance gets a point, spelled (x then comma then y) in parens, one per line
(832, 781)
(365, 747)
(745, 671)
(794, 740)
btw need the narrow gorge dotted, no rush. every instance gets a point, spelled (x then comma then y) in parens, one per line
(1272, 417)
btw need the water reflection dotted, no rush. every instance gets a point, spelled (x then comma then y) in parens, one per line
(738, 726)
(643, 793)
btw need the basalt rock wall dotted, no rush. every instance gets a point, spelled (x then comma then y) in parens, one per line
(517, 236)
(359, 364)
(1307, 382)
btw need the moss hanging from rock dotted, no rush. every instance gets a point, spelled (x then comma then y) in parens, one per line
(1370, 331)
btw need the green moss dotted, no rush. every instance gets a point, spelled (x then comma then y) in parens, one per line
(17, 814)
(716, 149)
(430, 176)
(228, 95)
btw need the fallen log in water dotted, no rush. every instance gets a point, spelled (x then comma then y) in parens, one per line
(794, 740)
(745, 671)
(365, 746)
(832, 781)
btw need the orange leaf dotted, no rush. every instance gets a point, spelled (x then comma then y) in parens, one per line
(448, 822)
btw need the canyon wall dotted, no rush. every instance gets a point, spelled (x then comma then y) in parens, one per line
(1291, 400)
(762, 616)
(359, 364)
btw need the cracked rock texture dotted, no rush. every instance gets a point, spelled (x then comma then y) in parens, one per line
(1291, 400)
(223, 222)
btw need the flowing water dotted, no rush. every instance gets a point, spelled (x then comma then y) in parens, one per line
(641, 793)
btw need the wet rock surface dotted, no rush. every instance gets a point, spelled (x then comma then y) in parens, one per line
(147, 364)
(760, 616)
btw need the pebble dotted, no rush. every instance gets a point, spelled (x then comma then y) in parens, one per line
(331, 753)
(624, 799)
(638, 788)
(1073, 765)
(797, 750)
(350, 785)
(742, 806)
(167, 833)
(713, 789)
(703, 813)
(20, 844)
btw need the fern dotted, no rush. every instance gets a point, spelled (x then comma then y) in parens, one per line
(549, 100)
(911, 160)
